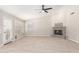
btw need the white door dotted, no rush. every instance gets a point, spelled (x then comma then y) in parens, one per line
(7, 30)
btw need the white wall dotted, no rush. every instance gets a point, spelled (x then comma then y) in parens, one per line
(39, 26)
(19, 28)
(70, 21)
(1, 27)
(13, 24)
(57, 16)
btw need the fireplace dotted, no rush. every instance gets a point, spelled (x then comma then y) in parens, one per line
(59, 32)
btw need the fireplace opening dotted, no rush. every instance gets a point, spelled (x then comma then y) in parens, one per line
(58, 32)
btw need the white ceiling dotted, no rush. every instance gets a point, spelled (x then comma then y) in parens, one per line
(28, 11)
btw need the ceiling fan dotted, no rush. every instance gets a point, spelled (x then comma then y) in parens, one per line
(45, 9)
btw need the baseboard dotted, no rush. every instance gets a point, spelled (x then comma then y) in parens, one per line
(18, 38)
(37, 35)
(73, 40)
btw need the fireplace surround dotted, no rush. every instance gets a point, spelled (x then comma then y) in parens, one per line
(59, 31)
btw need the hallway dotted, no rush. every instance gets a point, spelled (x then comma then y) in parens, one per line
(40, 45)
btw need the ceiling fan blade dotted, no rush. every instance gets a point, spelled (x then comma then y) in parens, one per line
(48, 8)
(46, 11)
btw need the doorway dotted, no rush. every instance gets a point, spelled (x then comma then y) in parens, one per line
(7, 30)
